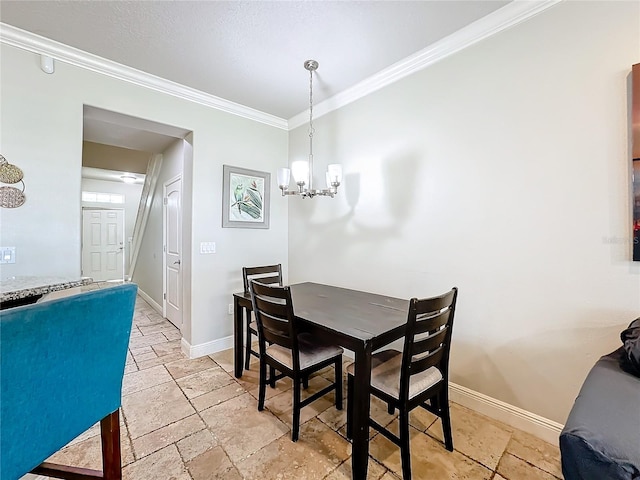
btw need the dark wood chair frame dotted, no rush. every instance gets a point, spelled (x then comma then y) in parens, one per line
(269, 274)
(277, 325)
(427, 344)
(111, 459)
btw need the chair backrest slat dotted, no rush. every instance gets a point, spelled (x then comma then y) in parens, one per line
(428, 337)
(269, 274)
(424, 363)
(273, 309)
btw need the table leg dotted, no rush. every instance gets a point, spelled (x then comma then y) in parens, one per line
(238, 335)
(361, 408)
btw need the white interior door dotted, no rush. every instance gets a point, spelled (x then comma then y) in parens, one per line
(102, 244)
(173, 251)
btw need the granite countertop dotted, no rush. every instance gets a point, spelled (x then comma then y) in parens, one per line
(23, 286)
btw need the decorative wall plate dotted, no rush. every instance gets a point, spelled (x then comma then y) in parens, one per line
(11, 197)
(10, 173)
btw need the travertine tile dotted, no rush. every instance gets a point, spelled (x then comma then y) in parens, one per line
(164, 464)
(158, 439)
(204, 381)
(172, 335)
(172, 357)
(475, 435)
(240, 428)
(429, 459)
(217, 396)
(282, 404)
(88, 453)
(511, 467)
(196, 444)
(137, 381)
(535, 451)
(130, 368)
(211, 465)
(167, 348)
(155, 407)
(314, 456)
(187, 366)
(224, 359)
(145, 340)
(375, 471)
(157, 327)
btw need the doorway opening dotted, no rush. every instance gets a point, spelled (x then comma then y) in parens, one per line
(126, 147)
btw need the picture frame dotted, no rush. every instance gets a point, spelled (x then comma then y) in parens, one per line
(246, 197)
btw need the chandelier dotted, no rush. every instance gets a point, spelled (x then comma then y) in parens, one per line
(302, 170)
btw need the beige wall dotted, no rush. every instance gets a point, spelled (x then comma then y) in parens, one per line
(504, 170)
(108, 157)
(41, 131)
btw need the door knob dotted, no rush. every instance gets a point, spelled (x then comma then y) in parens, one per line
(177, 262)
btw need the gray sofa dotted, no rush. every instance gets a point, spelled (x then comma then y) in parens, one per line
(601, 439)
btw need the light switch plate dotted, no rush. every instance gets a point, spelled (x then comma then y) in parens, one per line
(207, 247)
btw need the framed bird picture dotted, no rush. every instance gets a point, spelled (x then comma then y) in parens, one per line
(245, 198)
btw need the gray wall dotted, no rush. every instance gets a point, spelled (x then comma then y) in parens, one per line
(504, 170)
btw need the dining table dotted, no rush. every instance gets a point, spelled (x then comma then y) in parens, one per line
(358, 321)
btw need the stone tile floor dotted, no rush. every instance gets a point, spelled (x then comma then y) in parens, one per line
(185, 419)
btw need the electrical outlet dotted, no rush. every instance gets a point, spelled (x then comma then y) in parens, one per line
(7, 254)
(230, 311)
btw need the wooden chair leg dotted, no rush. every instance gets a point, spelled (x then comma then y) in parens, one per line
(443, 402)
(247, 352)
(110, 435)
(405, 450)
(272, 377)
(111, 460)
(295, 428)
(338, 380)
(349, 406)
(262, 391)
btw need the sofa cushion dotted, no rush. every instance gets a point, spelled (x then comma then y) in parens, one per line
(630, 358)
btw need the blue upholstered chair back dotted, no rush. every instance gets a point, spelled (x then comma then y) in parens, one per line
(61, 372)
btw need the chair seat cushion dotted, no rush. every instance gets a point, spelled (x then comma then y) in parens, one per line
(253, 326)
(312, 352)
(385, 374)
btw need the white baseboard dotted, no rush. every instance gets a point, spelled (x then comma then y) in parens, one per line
(541, 427)
(156, 306)
(202, 349)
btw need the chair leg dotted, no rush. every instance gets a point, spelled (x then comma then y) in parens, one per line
(272, 377)
(305, 382)
(110, 435)
(247, 352)
(349, 406)
(338, 380)
(295, 428)
(390, 408)
(405, 449)
(443, 402)
(263, 384)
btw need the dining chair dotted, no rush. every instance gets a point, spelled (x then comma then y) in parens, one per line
(407, 379)
(285, 348)
(63, 363)
(269, 274)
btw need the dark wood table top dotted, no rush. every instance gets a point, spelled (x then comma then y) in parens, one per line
(360, 315)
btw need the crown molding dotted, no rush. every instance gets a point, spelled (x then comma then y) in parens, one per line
(31, 42)
(508, 16)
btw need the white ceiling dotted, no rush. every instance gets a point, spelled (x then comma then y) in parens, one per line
(251, 52)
